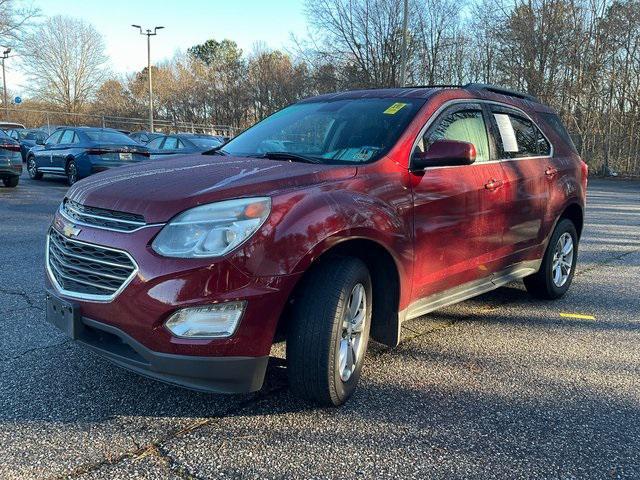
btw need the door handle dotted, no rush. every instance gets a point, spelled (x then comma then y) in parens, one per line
(550, 171)
(493, 184)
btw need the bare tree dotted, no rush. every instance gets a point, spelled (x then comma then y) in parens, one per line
(15, 18)
(65, 62)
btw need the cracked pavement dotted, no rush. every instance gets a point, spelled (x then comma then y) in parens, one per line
(500, 386)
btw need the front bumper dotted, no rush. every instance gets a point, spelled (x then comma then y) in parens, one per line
(201, 373)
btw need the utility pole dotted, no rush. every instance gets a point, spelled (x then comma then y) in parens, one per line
(403, 64)
(5, 55)
(149, 33)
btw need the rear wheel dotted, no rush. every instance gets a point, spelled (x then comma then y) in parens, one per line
(11, 182)
(72, 172)
(329, 332)
(558, 265)
(32, 169)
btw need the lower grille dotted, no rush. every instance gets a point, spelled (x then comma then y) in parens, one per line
(85, 270)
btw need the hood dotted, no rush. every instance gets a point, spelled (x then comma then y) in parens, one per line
(160, 189)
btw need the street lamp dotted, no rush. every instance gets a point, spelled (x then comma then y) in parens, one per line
(149, 33)
(5, 55)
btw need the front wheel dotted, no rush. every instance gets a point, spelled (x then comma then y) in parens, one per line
(329, 331)
(32, 169)
(11, 182)
(558, 264)
(72, 172)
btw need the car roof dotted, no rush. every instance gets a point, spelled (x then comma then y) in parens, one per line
(469, 91)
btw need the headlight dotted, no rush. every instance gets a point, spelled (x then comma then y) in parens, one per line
(211, 321)
(212, 230)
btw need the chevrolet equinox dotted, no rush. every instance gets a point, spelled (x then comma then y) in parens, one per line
(333, 220)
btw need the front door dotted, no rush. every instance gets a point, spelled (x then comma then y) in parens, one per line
(458, 210)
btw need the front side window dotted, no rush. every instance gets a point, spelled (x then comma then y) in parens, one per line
(155, 143)
(67, 137)
(171, 143)
(353, 131)
(466, 125)
(54, 137)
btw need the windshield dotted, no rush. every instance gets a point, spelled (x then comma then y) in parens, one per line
(101, 136)
(205, 142)
(333, 131)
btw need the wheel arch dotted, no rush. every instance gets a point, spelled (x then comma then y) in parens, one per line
(385, 282)
(575, 213)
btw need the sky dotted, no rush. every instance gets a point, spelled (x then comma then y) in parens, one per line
(186, 22)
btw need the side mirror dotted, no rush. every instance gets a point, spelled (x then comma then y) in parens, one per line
(39, 141)
(443, 153)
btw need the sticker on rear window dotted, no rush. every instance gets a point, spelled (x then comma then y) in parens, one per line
(508, 135)
(395, 108)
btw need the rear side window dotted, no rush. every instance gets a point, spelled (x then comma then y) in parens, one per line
(171, 143)
(556, 124)
(519, 137)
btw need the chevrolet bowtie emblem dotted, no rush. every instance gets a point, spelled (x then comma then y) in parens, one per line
(70, 230)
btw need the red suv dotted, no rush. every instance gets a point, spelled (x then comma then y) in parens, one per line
(334, 219)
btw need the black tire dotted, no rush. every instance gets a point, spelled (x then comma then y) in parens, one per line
(32, 169)
(72, 172)
(11, 182)
(316, 331)
(542, 284)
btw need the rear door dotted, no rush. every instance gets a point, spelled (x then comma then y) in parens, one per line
(458, 210)
(525, 154)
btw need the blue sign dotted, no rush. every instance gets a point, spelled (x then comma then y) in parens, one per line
(17, 100)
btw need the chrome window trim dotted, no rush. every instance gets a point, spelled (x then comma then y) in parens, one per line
(99, 227)
(87, 296)
(449, 103)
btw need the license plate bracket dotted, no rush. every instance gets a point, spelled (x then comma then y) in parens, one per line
(64, 315)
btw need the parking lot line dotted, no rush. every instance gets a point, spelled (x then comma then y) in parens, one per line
(579, 316)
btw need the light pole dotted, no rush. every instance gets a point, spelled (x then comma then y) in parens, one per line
(5, 55)
(403, 60)
(149, 33)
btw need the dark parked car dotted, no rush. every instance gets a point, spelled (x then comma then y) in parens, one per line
(182, 144)
(77, 152)
(10, 160)
(144, 137)
(28, 138)
(335, 219)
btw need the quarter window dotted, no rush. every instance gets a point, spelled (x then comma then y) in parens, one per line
(464, 126)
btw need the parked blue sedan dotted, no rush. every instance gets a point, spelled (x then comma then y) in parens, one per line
(27, 137)
(182, 144)
(77, 152)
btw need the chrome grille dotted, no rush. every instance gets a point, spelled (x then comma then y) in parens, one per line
(85, 270)
(101, 218)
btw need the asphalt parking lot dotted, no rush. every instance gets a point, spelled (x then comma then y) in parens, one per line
(502, 386)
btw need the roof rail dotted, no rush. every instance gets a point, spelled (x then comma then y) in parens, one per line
(501, 90)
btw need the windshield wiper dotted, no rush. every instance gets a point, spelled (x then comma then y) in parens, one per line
(293, 157)
(215, 151)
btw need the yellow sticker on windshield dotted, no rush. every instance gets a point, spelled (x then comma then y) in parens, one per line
(395, 108)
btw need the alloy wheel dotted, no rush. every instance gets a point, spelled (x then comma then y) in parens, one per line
(351, 341)
(562, 261)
